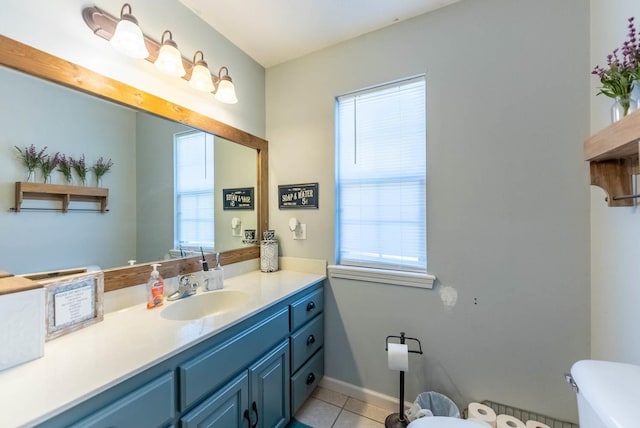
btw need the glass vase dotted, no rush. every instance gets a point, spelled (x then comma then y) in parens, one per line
(31, 176)
(622, 107)
(635, 92)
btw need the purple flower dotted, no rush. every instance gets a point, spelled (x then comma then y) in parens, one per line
(617, 79)
(47, 164)
(30, 156)
(65, 166)
(80, 167)
(101, 167)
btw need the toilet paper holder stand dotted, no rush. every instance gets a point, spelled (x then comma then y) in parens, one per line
(398, 420)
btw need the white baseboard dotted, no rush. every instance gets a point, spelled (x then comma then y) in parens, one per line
(363, 394)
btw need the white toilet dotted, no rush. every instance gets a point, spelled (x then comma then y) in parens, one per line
(443, 422)
(607, 394)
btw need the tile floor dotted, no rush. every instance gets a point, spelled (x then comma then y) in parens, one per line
(330, 409)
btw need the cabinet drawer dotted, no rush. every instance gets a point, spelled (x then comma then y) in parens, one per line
(208, 371)
(306, 308)
(306, 379)
(151, 405)
(306, 341)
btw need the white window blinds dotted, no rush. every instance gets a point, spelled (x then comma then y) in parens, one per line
(194, 225)
(381, 177)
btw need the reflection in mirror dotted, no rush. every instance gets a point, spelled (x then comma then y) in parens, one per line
(179, 188)
(45, 117)
(141, 222)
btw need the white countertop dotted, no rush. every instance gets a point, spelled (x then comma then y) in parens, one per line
(84, 363)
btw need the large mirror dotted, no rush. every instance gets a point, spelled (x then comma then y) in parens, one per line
(140, 133)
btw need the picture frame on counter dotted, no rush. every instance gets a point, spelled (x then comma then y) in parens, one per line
(73, 302)
(238, 199)
(298, 196)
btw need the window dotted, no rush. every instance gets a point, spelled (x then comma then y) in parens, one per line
(194, 225)
(381, 177)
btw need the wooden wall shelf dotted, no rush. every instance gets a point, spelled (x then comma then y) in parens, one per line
(58, 192)
(612, 154)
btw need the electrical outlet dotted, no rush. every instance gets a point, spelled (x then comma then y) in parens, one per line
(302, 233)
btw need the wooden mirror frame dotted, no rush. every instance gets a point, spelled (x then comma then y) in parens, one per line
(24, 58)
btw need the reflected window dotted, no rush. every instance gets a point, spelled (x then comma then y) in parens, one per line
(194, 227)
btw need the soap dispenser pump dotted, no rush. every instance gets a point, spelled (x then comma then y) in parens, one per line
(155, 288)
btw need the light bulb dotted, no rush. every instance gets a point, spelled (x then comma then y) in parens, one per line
(128, 38)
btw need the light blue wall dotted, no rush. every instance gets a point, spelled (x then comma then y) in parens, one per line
(507, 107)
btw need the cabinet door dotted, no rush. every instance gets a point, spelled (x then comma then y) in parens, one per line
(152, 405)
(270, 388)
(226, 408)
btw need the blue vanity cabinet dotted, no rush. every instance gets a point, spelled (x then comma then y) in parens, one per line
(254, 374)
(269, 383)
(208, 371)
(226, 408)
(149, 405)
(258, 398)
(307, 346)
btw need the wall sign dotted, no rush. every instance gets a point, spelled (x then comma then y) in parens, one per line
(298, 196)
(237, 199)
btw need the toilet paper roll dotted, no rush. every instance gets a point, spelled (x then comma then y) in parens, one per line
(536, 424)
(482, 413)
(506, 421)
(398, 357)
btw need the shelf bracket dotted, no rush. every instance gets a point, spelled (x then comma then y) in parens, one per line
(615, 177)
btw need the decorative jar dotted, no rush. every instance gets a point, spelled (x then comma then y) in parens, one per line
(622, 107)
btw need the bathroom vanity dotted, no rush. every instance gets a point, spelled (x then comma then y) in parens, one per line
(251, 366)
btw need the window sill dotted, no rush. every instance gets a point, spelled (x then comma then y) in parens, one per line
(394, 277)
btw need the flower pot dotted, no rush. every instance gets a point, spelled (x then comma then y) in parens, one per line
(622, 107)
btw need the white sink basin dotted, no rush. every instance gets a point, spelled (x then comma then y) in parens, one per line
(203, 305)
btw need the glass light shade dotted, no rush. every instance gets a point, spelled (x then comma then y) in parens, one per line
(128, 39)
(170, 61)
(226, 92)
(201, 78)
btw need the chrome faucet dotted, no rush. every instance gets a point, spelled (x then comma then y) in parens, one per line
(187, 286)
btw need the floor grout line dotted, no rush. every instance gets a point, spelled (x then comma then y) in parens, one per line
(342, 408)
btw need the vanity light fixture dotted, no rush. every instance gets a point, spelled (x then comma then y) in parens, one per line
(169, 59)
(127, 37)
(200, 74)
(225, 91)
(196, 73)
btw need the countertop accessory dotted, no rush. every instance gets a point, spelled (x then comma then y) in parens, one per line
(269, 255)
(21, 320)
(205, 265)
(73, 302)
(214, 279)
